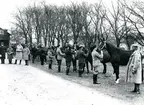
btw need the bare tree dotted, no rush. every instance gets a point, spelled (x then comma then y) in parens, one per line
(136, 19)
(98, 15)
(75, 21)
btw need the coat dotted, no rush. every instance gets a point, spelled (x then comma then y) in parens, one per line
(10, 53)
(19, 50)
(68, 55)
(50, 55)
(81, 56)
(26, 53)
(134, 68)
(60, 55)
(96, 57)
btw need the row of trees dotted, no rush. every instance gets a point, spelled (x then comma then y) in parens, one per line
(88, 23)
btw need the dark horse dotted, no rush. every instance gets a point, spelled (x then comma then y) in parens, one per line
(117, 57)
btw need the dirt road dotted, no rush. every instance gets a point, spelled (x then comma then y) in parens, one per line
(26, 85)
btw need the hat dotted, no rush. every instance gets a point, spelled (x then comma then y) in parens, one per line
(135, 45)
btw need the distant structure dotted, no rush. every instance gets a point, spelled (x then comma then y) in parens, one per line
(4, 37)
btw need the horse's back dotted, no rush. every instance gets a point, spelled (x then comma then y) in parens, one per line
(124, 57)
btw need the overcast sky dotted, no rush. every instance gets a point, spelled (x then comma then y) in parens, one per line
(8, 7)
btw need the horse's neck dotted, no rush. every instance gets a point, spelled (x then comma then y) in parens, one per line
(111, 49)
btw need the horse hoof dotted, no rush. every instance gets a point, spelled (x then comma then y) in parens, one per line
(117, 81)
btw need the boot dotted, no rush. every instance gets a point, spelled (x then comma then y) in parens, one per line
(26, 62)
(135, 87)
(15, 61)
(20, 62)
(80, 73)
(2, 61)
(67, 72)
(138, 88)
(50, 66)
(59, 68)
(10, 61)
(95, 79)
(74, 69)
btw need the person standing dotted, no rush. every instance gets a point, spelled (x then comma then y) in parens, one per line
(10, 53)
(19, 52)
(81, 56)
(50, 57)
(42, 54)
(2, 53)
(34, 52)
(59, 58)
(142, 55)
(74, 60)
(97, 55)
(68, 57)
(26, 53)
(134, 69)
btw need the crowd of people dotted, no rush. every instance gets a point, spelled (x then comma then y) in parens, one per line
(20, 52)
(72, 55)
(134, 67)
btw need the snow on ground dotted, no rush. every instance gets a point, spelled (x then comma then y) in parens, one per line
(26, 85)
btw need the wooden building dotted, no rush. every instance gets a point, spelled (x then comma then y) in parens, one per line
(4, 37)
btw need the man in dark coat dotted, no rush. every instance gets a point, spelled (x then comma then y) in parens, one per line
(2, 53)
(34, 52)
(68, 57)
(81, 56)
(42, 54)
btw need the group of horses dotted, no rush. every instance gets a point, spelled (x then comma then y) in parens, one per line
(112, 54)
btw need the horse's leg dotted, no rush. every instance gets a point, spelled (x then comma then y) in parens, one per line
(33, 58)
(116, 71)
(104, 70)
(91, 63)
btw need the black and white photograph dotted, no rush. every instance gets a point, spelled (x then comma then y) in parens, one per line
(72, 52)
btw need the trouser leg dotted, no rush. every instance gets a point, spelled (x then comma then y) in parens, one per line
(138, 88)
(42, 60)
(20, 62)
(80, 69)
(68, 64)
(50, 64)
(95, 75)
(59, 65)
(2, 60)
(26, 62)
(135, 87)
(74, 65)
(15, 61)
(33, 58)
(10, 61)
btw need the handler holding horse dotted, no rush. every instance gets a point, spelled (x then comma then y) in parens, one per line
(97, 54)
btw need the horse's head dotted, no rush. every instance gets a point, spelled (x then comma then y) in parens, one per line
(102, 45)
